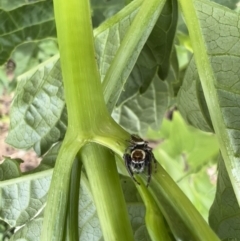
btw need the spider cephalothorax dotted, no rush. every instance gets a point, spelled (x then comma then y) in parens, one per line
(139, 156)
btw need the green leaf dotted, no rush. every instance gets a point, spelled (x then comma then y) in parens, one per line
(222, 46)
(9, 5)
(18, 28)
(144, 111)
(102, 9)
(31, 231)
(141, 76)
(214, 32)
(161, 38)
(130, 192)
(224, 214)
(191, 101)
(10, 168)
(173, 77)
(38, 115)
(137, 218)
(30, 191)
(228, 3)
(29, 55)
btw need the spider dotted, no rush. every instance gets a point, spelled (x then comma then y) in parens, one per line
(137, 156)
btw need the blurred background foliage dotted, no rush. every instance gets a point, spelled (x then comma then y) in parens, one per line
(188, 154)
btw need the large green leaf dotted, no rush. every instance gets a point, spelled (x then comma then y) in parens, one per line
(142, 74)
(216, 45)
(9, 5)
(146, 110)
(224, 214)
(18, 27)
(22, 197)
(191, 102)
(38, 115)
(220, 30)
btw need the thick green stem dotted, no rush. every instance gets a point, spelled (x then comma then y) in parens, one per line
(162, 184)
(55, 211)
(88, 119)
(87, 112)
(208, 81)
(82, 87)
(107, 192)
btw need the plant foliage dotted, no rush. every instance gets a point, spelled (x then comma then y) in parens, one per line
(147, 71)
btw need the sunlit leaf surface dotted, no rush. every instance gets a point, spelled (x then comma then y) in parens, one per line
(23, 197)
(38, 115)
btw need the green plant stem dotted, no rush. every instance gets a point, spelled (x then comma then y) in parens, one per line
(107, 192)
(130, 48)
(154, 219)
(163, 183)
(208, 81)
(55, 211)
(72, 219)
(81, 78)
(87, 113)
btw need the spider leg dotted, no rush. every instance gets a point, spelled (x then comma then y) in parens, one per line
(149, 167)
(155, 162)
(130, 145)
(127, 159)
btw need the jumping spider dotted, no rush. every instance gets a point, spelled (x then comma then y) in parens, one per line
(137, 156)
